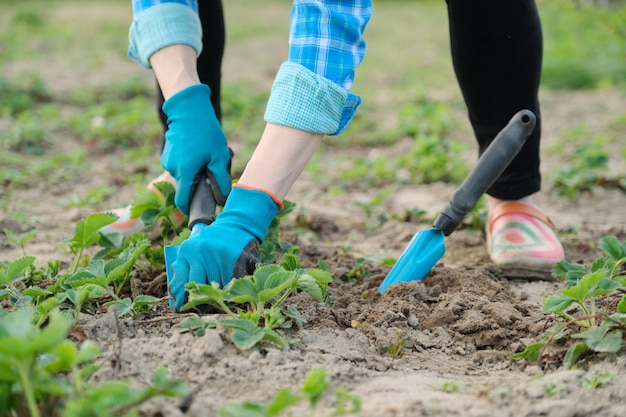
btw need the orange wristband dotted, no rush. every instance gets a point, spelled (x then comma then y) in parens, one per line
(276, 200)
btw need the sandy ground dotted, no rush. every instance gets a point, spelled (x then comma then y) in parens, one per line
(461, 323)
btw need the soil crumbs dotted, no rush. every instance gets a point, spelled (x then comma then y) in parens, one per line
(453, 334)
(439, 347)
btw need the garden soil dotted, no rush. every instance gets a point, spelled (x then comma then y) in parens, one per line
(456, 330)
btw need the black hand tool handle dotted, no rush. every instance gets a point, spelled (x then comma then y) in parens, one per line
(489, 167)
(202, 205)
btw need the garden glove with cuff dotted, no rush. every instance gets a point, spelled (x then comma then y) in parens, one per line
(227, 248)
(195, 139)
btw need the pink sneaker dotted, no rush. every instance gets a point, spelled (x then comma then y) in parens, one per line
(125, 225)
(522, 241)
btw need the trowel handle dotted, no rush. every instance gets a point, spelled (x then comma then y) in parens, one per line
(489, 167)
(202, 205)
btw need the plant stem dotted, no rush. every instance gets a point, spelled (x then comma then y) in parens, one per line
(224, 307)
(618, 266)
(286, 294)
(28, 389)
(77, 259)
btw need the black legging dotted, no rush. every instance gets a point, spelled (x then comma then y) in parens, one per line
(497, 48)
(210, 59)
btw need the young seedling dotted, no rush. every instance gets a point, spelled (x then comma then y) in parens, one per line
(272, 247)
(360, 271)
(20, 241)
(396, 349)
(152, 207)
(254, 303)
(315, 386)
(585, 170)
(593, 381)
(45, 373)
(451, 386)
(87, 233)
(590, 316)
(11, 275)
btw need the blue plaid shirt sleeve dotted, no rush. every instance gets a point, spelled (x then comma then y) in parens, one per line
(160, 23)
(141, 5)
(311, 91)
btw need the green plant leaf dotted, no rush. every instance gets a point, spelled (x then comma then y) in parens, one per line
(54, 333)
(247, 409)
(557, 303)
(162, 384)
(274, 337)
(309, 285)
(243, 291)
(296, 316)
(96, 268)
(321, 276)
(22, 239)
(16, 332)
(143, 303)
(168, 191)
(36, 292)
(532, 353)
(585, 287)
(315, 384)
(602, 263)
(15, 268)
(87, 230)
(347, 403)
(262, 274)
(65, 356)
(612, 247)
(290, 262)
(83, 278)
(87, 352)
(121, 307)
(283, 399)
(621, 306)
(601, 339)
(246, 336)
(195, 325)
(565, 270)
(573, 353)
(145, 200)
(204, 294)
(606, 286)
(118, 269)
(275, 284)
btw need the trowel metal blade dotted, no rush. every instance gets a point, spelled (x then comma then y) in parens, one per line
(423, 252)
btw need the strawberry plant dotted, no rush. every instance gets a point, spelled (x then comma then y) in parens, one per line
(87, 233)
(313, 389)
(593, 306)
(44, 373)
(11, 276)
(272, 247)
(152, 207)
(586, 169)
(254, 303)
(19, 240)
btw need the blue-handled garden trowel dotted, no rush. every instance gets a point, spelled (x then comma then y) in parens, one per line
(201, 214)
(427, 247)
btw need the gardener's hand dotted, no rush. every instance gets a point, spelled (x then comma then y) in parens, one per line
(195, 139)
(228, 247)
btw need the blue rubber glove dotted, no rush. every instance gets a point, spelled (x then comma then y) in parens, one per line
(195, 139)
(227, 248)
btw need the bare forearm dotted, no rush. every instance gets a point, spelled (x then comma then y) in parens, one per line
(175, 68)
(279, 159)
